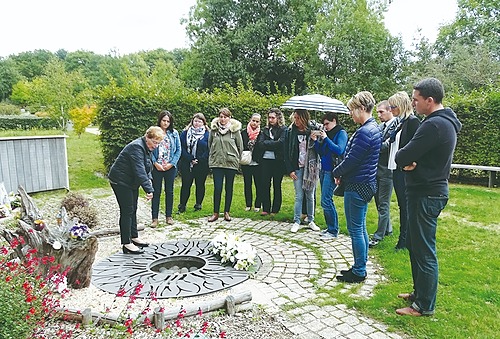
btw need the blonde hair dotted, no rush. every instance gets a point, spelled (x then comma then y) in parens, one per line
(403, 102)
(155, 133)
(362, 99)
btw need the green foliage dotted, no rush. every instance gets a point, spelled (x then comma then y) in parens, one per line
(26, 122)
(479, 137)
(125, 113)
(9, 109)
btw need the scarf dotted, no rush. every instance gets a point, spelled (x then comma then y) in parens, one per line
(223, 129)
(312, 167)
(252, 133)
(192, 137)
(331, 133)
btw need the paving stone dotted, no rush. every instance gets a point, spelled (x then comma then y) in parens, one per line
(329, 333)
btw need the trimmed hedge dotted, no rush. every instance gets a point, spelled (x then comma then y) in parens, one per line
(125, 114)
(26, 122)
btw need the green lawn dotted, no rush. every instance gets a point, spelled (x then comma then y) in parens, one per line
(468, 243)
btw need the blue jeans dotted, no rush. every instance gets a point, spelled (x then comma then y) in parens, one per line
(329, 211)
(383, 202)
(300, 194)
(158, 178)
(355, 213)
(421, 241)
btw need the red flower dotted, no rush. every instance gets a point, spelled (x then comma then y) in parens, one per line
(8, 278)
(222, 334)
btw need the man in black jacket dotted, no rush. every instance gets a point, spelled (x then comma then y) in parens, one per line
(427, 158)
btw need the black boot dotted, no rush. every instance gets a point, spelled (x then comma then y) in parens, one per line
(181, 208)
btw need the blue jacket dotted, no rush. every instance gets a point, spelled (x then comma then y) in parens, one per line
(361, 156)
(201, 149)
(132, 167)
(175, 148)
(331, 149)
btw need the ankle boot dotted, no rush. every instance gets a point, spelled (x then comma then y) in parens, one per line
(213, 217)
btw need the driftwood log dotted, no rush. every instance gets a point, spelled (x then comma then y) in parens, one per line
(75, 256)
(231, 304)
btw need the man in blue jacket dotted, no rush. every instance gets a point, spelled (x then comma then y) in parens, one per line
(427, 158)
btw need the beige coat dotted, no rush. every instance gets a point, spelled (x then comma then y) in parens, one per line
(225, 149)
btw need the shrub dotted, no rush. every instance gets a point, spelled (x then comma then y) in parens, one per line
(77, 206)
(27, 301)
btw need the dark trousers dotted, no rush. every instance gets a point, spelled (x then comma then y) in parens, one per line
(158, 178)
(271, 170)
(198, 174)
(127, 201)
(219, 174)
(399, 180)
(251, 175)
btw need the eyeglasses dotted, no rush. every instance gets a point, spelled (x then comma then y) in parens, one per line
(393, 107)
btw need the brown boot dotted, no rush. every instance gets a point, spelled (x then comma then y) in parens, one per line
(213, 217)
(154, 223)
(227, 217)
(169, 220)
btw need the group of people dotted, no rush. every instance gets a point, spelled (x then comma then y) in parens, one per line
(413, 157)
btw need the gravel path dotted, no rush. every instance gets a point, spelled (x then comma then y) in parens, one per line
(251, 324)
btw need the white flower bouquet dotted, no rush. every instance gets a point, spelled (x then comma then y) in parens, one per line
(230, 248)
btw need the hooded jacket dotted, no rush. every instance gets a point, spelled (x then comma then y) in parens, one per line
(431, 148)
(225, 149)
(132, 167)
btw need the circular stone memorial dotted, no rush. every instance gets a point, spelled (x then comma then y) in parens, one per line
(174, 269)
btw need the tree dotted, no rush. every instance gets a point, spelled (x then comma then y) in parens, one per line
(349, 49)
(242, 40)
(82, 117)
(477, 24)
(466, 54)
(57, 92)
(32, 64)
(9, 75)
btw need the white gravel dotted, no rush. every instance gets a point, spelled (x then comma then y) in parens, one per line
(251, 324)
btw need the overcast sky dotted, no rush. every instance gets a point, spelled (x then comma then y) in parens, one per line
(131, 26)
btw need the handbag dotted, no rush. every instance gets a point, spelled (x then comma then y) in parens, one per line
(340, 189)
(246, 158)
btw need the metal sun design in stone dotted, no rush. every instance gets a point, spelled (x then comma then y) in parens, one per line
(175, 269)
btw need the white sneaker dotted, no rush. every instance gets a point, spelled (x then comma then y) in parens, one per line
(313, 226)
(327, 236)
(248, 209)
(295, 228)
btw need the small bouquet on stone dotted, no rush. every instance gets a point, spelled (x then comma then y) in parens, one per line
(78, 231)
(230, 248)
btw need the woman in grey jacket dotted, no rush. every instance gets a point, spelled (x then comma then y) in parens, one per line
(225, 147)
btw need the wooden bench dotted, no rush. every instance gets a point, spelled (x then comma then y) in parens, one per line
(491, 169)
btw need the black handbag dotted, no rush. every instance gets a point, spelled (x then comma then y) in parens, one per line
(339, 189)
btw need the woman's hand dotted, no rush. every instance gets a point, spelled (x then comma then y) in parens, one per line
(293, 175)
(194, 162)
(158, 167)
(167, 166)
(149, 196)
